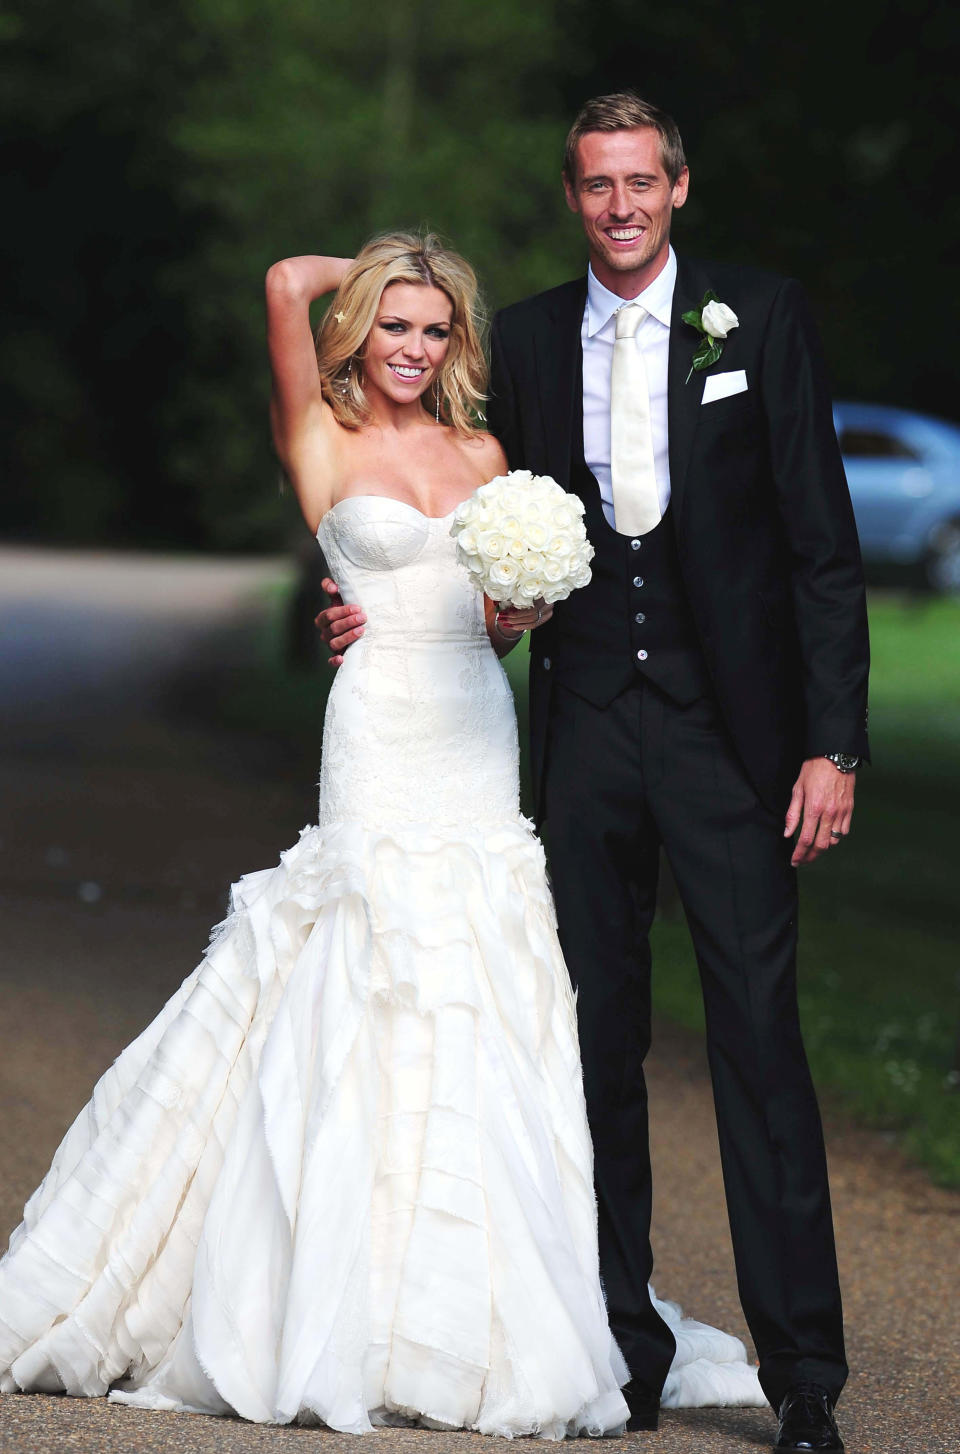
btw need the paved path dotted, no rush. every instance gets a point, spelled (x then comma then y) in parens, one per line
(122, 825)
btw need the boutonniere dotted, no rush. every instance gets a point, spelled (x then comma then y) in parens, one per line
(713, 320)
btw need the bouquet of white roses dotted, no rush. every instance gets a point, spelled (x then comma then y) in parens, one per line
(522, 539)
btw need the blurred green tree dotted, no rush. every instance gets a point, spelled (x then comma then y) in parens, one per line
(158, 160)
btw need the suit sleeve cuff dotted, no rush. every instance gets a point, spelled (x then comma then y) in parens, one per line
(837, 734)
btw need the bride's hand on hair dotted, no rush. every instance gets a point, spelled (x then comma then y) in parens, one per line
(291, 286)
(296, 401)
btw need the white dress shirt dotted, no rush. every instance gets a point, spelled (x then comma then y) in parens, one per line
(653, 341)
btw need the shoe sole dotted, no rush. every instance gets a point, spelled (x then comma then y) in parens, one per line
(807, 1449)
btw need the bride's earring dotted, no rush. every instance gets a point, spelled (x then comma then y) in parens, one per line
(344, 384)
(436, 391)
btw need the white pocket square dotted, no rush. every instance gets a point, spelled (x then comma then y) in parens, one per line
(719, 386)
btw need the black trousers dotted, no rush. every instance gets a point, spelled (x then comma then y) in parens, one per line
(621, 781)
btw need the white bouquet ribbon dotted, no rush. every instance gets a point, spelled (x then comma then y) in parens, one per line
(522, 539)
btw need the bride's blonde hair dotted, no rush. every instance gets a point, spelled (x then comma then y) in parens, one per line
(403, 257)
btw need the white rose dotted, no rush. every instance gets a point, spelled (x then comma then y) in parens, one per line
(717, 320)
(530, 588)
(491, 544)
(533, 561)
(563, 517)
(504, 572)
(467, 540)
(517, 547)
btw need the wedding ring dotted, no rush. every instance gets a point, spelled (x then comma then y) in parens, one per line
(835, 834)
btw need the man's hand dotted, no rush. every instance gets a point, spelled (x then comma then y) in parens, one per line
(339, 625)
(821, 806)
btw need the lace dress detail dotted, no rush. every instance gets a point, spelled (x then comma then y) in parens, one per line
(345, 1175)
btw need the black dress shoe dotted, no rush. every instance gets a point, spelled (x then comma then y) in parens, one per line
(806, 1421)
(644, 1405)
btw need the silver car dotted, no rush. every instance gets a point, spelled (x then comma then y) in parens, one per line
(904, 476)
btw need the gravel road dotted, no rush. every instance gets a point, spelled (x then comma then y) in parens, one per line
(121, 825)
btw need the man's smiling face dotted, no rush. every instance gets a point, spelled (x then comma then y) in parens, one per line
(625, 200)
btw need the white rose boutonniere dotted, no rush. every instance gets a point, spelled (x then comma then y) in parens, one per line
(713, 320)
(718, 319)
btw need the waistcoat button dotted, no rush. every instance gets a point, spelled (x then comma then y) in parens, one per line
(638, 580)
(642, 655)
(639, 618)
(635, 544)
(546, 663)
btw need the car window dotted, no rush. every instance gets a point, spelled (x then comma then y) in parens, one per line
(874, 444)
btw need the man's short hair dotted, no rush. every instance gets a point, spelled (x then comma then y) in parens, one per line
(625, 111)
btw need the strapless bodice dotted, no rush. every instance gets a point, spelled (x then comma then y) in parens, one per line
(420, 724)
(400, 566)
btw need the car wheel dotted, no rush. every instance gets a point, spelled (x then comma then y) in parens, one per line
(942, 563)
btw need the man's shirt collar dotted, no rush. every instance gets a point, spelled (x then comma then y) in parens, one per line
(657, 299)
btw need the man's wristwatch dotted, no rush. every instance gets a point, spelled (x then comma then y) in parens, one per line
(843, 761)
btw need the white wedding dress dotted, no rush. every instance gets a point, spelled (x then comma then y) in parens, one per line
(345, 1174)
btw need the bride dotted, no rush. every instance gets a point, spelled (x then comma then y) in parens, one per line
(345, 1174)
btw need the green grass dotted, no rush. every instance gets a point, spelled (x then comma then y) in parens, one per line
(879, 922)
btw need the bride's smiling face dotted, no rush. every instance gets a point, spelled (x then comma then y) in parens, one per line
(408, 342)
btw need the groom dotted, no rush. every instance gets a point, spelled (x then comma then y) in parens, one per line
(705, 693)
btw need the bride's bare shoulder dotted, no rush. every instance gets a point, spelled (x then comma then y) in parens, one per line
(486, 453)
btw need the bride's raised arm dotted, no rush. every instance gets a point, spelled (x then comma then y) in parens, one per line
(297, 408)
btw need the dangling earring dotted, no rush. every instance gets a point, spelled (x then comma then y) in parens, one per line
(436, 390)
(344, 384)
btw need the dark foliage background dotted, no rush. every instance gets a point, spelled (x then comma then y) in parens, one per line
(158, 158)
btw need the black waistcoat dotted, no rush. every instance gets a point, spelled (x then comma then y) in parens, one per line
(633, 617)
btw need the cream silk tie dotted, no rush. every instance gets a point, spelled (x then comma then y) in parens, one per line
(636, 503)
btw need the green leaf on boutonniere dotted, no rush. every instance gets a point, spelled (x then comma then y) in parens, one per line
(708, 353)
(709, 348)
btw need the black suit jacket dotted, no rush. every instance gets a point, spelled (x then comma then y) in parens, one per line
(765, 530)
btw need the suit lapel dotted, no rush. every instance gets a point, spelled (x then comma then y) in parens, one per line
(558, 373)
(683, 398)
